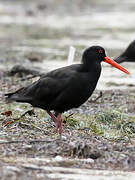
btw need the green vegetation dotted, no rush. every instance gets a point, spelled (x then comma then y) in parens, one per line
(112, 124)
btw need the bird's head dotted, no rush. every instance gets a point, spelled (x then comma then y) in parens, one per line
(128, 55)
(96, 54)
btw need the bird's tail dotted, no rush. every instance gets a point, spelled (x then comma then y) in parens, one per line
(14, 96)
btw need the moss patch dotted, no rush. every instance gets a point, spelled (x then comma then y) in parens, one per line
(112, 124)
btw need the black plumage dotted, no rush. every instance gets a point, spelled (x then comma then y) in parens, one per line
(128, 55)
(66, 87)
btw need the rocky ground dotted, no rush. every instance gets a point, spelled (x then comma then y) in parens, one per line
(99, 135)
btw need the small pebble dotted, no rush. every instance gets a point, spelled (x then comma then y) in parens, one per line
(89, 160)
(28, 147)
(58, 158)
(64, 138)
(13, 168)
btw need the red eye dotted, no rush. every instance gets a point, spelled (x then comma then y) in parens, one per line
(100, 51)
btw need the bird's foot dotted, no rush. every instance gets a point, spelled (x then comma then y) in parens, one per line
(58, 122)
(59, 125)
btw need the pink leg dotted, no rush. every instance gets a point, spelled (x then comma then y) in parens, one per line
(58, 122)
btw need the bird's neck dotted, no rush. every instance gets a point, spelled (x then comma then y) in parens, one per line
(91, 65)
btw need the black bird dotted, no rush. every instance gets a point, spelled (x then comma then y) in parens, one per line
(128, 55)
(67, 87)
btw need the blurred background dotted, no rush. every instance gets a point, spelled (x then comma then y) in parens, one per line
(38, 33)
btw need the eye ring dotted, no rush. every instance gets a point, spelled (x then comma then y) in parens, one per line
(100, 51)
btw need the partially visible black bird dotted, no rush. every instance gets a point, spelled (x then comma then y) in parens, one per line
(67, 87)
(128, 55)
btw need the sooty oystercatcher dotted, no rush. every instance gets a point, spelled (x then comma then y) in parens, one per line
(128, 54)
(67, 87)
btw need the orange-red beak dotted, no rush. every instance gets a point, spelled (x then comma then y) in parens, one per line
(113, 63)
